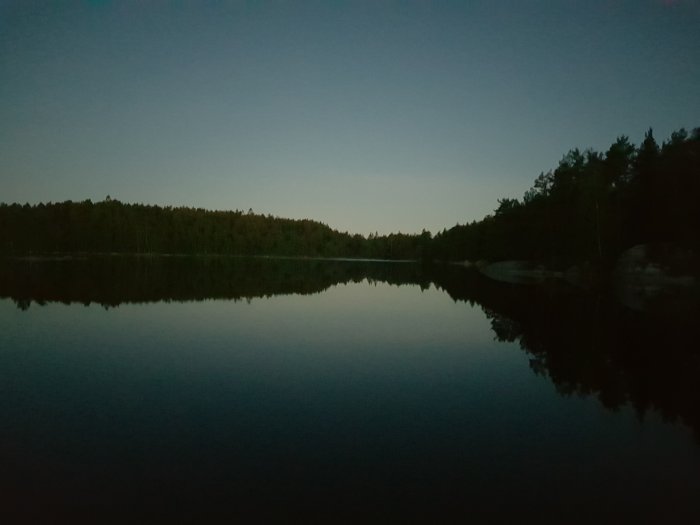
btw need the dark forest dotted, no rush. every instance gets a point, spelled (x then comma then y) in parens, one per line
(590, 208)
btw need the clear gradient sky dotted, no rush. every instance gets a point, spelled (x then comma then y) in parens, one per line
(368, 116)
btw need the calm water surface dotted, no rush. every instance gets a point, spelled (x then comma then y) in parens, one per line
(362, 399)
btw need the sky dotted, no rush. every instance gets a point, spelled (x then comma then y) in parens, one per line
(368, 116)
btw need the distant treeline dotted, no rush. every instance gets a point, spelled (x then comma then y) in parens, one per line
(592, 206)
(111, 226)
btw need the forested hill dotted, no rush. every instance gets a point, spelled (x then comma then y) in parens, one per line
(592, 207)
(111, 226)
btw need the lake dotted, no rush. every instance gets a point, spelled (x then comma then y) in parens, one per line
(178, 388)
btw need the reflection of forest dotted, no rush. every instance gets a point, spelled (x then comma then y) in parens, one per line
(111, 280)
(585, 344)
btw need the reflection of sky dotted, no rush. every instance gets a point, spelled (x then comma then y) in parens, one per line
(364, 115)
(336, 321)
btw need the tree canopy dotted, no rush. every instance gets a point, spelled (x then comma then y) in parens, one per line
(111, 226)
(592, 206)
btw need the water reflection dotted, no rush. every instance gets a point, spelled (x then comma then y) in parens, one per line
(592, 344)
(359, 398)
(112, 280)
(586, 344)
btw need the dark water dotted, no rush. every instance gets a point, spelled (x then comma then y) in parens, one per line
(187, 389)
